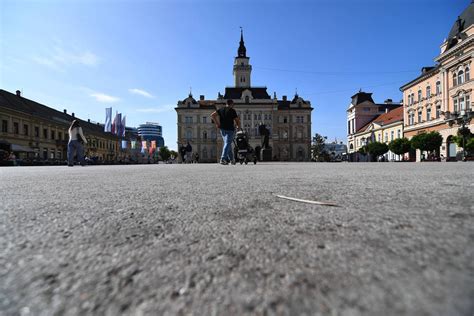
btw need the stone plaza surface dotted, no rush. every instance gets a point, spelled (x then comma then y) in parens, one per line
(207, 239)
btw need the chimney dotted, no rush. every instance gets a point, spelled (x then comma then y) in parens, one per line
(18, 93)
(201, 97)
(284, 98)
(88, 120)
(388, 101)
(65, 111)
(72, 114)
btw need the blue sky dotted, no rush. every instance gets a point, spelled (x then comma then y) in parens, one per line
(141, 57)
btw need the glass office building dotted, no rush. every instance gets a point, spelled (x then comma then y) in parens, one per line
(151, 131)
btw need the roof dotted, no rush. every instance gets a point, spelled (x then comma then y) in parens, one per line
(361, 97)
(18, 103)
(465, 20)
(392, 116)
(236, 93)
(425, 72)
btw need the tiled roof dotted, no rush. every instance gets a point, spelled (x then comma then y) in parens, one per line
(236, 93)
(391, 116)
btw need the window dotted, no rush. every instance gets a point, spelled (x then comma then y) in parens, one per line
(188, 119)
(299, 119)
(438, 87)
(25, 129)
(438, 111)
(45, 133)
(392, 133)
(428, 92)
(468, 102)
(348, 127)
(204, 119)
(419, 116)
(189, 134)
(4, 126)
(460, 77)
(15, 128)
(247, 99)
(455, 79)
(379, 136)
(386, 136)
(37, 131)
(419, 95)
(53, 134)
(409, 100)
(285, 119)
(455, 105)
(461, 104)
(399, 134)
(412, 98)
(366, 109)
(468, 74)
(60, 136)
(411, 118)
(428, 114)
(204, 135)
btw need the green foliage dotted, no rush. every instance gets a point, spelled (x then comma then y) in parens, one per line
(400, 146)
(463, 137)
(377, 149)
(318, 152)
(427, 141)
(363, 150)
(174, 153)
(470, 145)
(165, 153)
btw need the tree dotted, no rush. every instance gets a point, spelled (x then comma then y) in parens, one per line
(463, 137)
(173, 153)
(318, 151)
(400, 146)
(377, 149)
(427, 141)
(165, 153)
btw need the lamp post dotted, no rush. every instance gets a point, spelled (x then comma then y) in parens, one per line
(463, 119)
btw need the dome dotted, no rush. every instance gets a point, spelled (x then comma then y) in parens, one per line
(465, 20)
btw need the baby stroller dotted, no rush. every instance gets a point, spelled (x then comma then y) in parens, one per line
(243, 152)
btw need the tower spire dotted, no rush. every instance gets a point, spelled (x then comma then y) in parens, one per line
(242, 52)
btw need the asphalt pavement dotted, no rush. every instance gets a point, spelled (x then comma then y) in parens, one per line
(207, 239)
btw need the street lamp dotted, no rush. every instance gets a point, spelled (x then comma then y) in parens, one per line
(463, 119)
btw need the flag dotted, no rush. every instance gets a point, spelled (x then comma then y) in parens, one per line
(114, 124)
(118, 127)
(133, 144)
(108, 120)
(123, 127)
(153, 144)
(124, 144)
(144, 144)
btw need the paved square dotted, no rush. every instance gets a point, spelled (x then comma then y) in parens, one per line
(215, 240)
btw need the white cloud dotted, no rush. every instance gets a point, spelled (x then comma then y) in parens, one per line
(101, 97)
(59, 58)
(141, 92)
(162, 109)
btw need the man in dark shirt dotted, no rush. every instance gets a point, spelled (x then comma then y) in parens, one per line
(224, 119)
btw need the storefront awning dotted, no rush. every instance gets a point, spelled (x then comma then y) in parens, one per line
(19, 148)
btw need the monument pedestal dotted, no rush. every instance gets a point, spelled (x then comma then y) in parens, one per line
(266, 154)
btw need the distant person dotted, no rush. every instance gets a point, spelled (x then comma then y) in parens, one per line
(225, 119)
(75, 147)
(189, 153)
(196, 157)
(182, 153)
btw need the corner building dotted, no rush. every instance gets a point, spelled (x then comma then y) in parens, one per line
(440, 98)
(289, 121)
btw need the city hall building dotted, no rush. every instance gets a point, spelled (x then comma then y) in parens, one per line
(439, 99)
(289, 121)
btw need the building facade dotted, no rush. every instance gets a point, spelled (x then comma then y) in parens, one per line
(362, 127)
(36, 132)
(289, 121)
(440, 98)
(151, 132)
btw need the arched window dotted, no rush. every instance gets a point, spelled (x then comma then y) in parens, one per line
(419, 95)
(247, 99)
(455, 79)
(204, 135)
(438, 87)
(428, 114)
(460, 77)
(468, 74)
(428, 92)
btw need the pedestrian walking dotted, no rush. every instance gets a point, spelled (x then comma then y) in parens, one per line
(75, 145)
(225, 119)
(189, 153)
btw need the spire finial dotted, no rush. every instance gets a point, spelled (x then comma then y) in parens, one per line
(190, 91)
